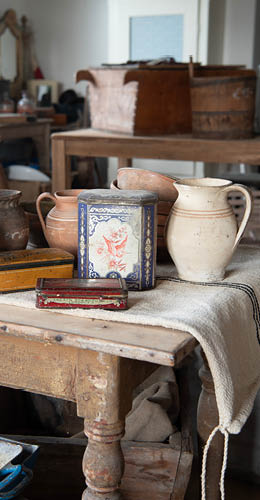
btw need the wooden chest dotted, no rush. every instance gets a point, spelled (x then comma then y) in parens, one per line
(20, 269)
(139, 100)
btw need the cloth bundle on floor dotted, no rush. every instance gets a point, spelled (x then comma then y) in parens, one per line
(155, 408)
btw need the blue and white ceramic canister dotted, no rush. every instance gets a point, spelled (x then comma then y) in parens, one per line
(117, 236)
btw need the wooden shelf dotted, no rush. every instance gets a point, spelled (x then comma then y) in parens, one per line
(89, 142)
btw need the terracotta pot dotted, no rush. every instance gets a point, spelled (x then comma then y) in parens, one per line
(137, 178)
(61, 225)
(14, 227)
(36, 235)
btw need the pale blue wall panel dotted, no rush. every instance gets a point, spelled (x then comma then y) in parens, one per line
(152, 37)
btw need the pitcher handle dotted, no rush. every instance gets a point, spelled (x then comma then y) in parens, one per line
(38, 208)
(249, 205)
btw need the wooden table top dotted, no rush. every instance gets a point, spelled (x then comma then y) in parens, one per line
(149, 343)
(172, 147)
(39, 121)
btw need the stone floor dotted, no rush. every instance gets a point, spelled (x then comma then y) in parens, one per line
(241, 490)
(234, 490)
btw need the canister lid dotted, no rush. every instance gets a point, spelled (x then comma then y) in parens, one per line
(122, 196)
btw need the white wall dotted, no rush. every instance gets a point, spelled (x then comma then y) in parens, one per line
(195, 24)
(239, 32)
(232, 32)
(18, 5)
(74, 37)
(217, 24)
(69, 35)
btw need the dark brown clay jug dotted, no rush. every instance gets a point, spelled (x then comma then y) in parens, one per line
(14, 227)
(36, 236)
(61, 224)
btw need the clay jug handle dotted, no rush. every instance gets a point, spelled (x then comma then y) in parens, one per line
(249, 205)
(38, 208)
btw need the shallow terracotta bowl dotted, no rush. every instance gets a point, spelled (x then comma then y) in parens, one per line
(137, 178)
(163, 207)
(163, 210)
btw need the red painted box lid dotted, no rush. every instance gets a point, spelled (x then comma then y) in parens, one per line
(83, 286)
(95, 292)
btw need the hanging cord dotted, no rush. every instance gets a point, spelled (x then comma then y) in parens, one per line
(224, 462)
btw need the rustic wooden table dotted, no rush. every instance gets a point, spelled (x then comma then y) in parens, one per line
(95, 364)
(38, 130)
(89, 142)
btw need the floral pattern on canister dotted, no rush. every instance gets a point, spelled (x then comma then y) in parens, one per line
(113, 247)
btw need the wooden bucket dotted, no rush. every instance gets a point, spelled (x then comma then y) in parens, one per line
(223, 104)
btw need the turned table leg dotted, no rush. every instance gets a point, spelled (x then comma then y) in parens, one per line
(207, 421)
(104, 386)
(103, 462)
(98, 401)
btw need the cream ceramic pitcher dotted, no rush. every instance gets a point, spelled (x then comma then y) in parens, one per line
(202, 231)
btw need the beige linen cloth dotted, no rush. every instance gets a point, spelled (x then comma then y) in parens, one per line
(155, 408)
(223, 317)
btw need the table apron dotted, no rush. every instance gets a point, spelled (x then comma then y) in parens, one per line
(96, 381)
(175, 149)
(38, 367)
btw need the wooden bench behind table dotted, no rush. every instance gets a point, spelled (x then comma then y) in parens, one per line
(89, 142)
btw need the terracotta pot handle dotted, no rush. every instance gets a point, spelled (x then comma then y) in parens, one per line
(249, 205)
(38, 208)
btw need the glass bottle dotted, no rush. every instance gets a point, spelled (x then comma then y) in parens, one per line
(6, 104)
(25, 105)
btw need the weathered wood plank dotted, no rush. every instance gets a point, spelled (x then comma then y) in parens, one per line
(72, 374)
(60, 175)
(105, 383)
(88, 142)
(38, 367)
(150, 470)
(149, 343)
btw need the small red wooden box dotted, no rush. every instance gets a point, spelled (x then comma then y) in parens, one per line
(97, 293)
